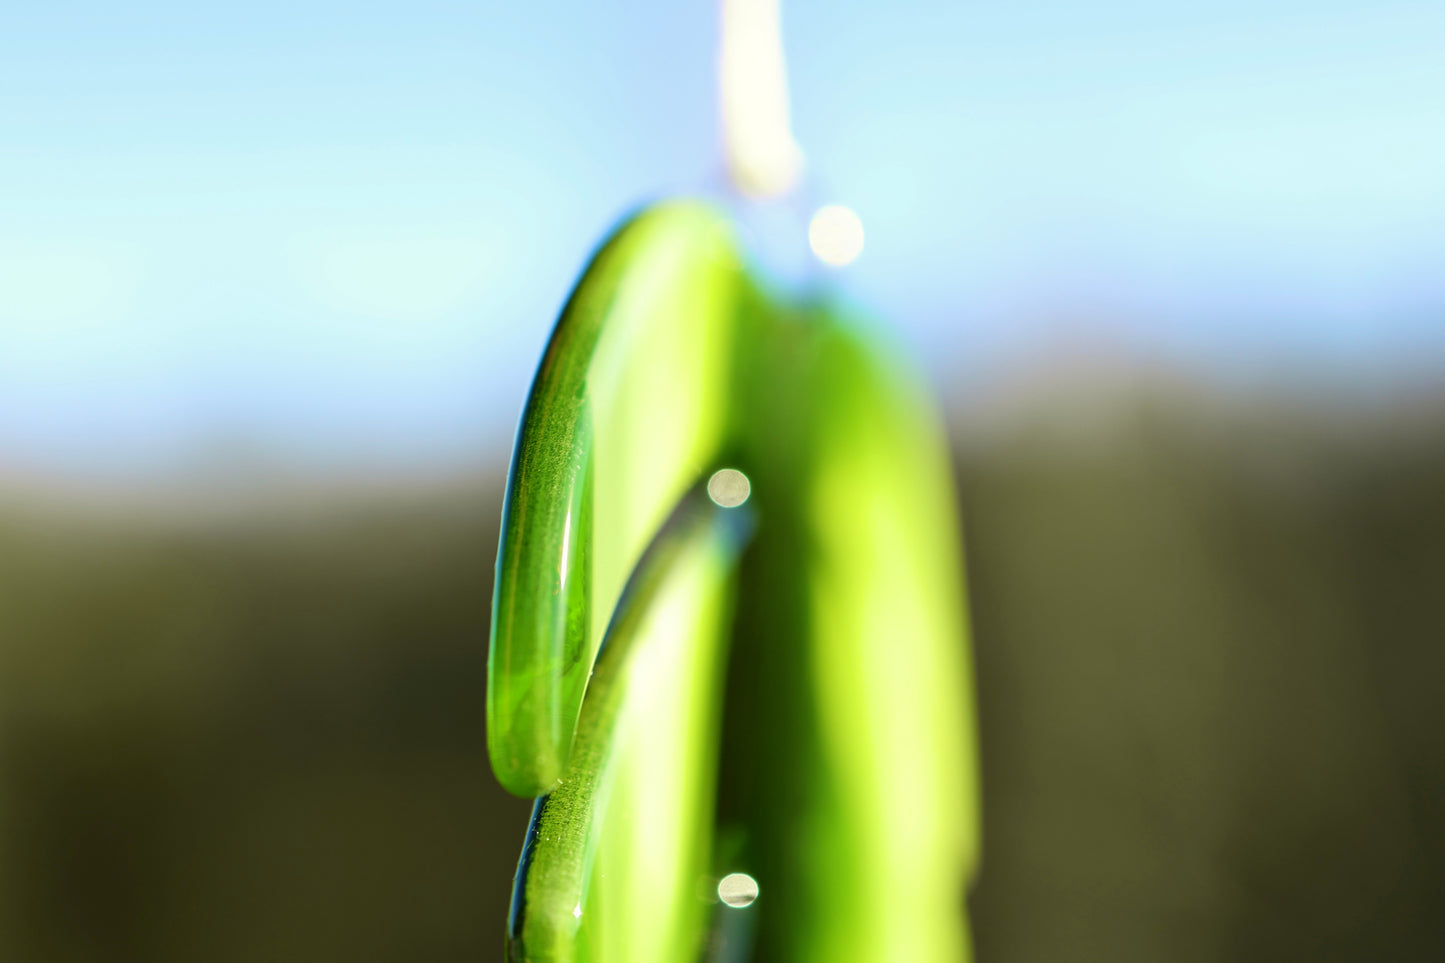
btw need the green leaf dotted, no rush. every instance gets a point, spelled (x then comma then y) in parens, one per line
(847, 782)
(614, 852)
(627, 411)
(849, 765)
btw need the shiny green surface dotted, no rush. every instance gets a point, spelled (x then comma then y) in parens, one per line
(899, 829)
(625, 413)
(846, 782)
(850, 765)
(614, 852)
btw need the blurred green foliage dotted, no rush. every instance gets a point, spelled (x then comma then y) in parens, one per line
(1210, 643)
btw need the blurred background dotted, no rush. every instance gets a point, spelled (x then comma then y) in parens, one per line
(273, 279)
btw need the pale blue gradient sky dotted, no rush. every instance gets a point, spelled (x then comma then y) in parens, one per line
(345, 228)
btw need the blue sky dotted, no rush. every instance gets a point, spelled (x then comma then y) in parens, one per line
(345, 228)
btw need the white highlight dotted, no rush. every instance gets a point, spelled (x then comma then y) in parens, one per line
(566, 551)
(737, 890)
(836, 235)
(728, 488)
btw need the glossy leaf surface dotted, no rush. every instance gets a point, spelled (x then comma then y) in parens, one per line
(613, 854)
(846, 783)
(627, 411)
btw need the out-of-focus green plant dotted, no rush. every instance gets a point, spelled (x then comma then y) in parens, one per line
(727, 636)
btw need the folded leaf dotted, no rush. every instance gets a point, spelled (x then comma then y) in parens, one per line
(613, 855)
(849, 764)
(848, 775)
(627, 411)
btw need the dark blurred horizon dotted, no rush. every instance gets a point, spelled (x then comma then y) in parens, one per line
(1207, 636)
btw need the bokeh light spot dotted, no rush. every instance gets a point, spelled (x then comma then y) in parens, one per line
(836, 235)
(729, 488)
(737, 890)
